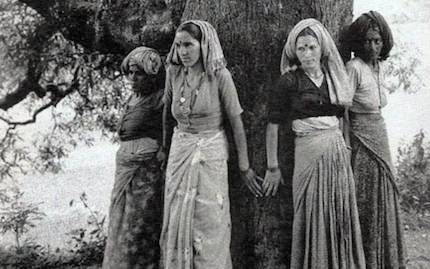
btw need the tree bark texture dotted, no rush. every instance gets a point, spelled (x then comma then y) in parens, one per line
(252, 34)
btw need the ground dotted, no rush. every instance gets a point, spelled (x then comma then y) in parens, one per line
(418, 248)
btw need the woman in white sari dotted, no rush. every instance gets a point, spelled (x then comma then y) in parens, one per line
(201, 96)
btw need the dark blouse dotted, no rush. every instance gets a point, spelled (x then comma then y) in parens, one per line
(144, 119)
(296, 96)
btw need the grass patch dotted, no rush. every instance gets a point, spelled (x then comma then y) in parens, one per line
(418, 248)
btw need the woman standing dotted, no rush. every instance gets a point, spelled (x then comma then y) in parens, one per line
(377, 197)
(201, 96)
(313, 94)
(135, 211)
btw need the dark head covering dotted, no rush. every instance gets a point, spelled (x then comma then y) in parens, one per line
(358, 29)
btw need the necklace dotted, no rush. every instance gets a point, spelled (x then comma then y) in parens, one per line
(313, 76)
(317, 80)
(193, 97)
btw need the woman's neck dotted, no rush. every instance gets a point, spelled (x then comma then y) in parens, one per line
(373, 63)
(144, 92)
(195, 70)
(315, 72)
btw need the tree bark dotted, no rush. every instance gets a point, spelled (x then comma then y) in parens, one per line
(252, 35)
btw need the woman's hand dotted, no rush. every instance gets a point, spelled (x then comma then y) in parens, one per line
(250, 179)
(247, 174)
(273, 175)
(271, 181)
(161, 157)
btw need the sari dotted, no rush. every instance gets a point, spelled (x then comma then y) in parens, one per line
(135, 210)
(136, 203)
(377, 194)
(196, 223)
(326, 227)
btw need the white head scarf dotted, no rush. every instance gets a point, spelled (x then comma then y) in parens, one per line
(211, 51)
(340, 91)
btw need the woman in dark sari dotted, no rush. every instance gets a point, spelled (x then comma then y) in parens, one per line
(326, 229)
(135, 212)
(370, 38)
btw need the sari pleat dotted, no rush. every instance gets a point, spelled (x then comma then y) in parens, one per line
(135, 210)
(326, 228)
(377, 194)
(196, 227)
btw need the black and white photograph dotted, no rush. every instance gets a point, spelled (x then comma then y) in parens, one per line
(201, 134)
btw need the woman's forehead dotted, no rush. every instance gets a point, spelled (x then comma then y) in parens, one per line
(306, 40)
(373, 33)
(134, 67)
(184, 36)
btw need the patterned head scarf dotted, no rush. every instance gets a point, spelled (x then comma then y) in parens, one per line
(211, 51)
(358, 29)
(334, 69)
(145, 58)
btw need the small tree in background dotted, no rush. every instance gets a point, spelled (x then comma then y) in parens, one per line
(84, 249)
(413, 169)
(18, 217)
(86, 246)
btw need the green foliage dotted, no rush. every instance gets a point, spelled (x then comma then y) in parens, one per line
(413, 169)
(87, 244)
(81, 90)
(29, 255)
(418, 247)
(84, 249)
(18, 217)
(17, 27)
(33, 255)
(402, 69)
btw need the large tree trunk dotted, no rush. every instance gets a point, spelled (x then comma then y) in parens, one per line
(252, 34)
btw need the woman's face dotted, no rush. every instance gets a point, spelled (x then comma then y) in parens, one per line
(372, 45)
(188, 48)
(137, 78)
(308, 52)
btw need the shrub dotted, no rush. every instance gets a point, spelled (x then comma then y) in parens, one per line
(87, 244)
(84, 249)
(413, 170)
(18, 217)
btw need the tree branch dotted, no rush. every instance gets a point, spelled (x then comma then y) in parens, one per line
(42, 7)
(113, 26)
(57, 96)
(31, 120)
(31, 81)
(95, 27)
(25, 87)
